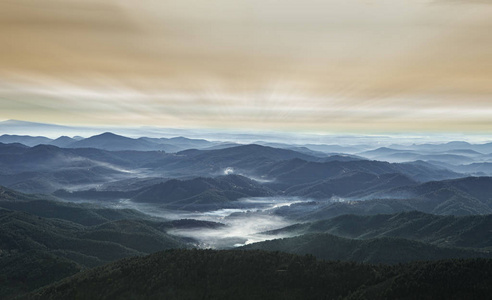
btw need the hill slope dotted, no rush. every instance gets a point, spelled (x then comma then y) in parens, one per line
(201, 193)
(380, 250)
(207, 274)
(113, 142)
(44, 241)
(458, 197)
(298, 171)
(450, 231)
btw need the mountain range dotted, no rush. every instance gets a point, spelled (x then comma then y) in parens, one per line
(46, 168)
(79, 217)
(112, 142)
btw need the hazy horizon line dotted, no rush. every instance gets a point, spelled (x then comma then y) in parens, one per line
(55, 130)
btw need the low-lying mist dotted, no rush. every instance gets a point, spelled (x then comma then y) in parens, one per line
(245, 222)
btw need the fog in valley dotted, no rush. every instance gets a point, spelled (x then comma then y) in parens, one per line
(241, 194)
(220, 149)
(246, 221)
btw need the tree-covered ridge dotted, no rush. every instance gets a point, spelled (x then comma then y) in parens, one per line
(450, 231)
(379, 250)
(209, 274)
(35, 251)
(193, 194)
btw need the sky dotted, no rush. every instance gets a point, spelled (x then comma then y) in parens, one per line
(322, 66)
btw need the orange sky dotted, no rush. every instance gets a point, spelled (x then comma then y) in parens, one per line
(325, 66)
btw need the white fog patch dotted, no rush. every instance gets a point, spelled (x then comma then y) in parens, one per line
(244, 223)
(86, 162)
(336, 199)
(219, 214)
(242, 229)
(259, 179)
(228, 171)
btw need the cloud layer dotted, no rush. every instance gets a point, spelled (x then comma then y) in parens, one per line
(329, 66)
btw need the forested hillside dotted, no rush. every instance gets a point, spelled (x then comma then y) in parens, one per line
(208, 274)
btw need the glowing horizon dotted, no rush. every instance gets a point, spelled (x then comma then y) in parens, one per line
(364, 67)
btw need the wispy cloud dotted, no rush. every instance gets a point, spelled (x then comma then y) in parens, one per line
(360, 66)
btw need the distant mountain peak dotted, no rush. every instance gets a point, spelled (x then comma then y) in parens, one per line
(13, 121)
(62, 141)
(107, 134)
(454, 143)
(44, 147)
(24, 123)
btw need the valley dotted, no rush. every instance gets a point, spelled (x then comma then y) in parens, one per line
(68, 207)
(245, 149)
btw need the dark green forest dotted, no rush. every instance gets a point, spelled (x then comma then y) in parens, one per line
(44, 241)
(128, 222)
(233, 274)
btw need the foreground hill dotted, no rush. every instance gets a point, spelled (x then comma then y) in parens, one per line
(42, 241)
(35, 251)
(450, 231)
(207, 274)
(379, 250)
